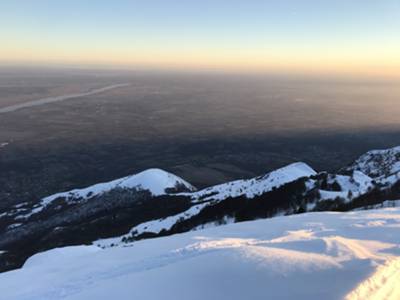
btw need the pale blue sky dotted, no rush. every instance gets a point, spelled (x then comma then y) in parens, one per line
(122, 30)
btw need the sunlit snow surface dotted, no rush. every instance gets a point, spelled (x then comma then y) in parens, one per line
(255, 186)
(354, 255)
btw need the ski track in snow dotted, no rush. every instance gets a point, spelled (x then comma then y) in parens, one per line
(48, 100)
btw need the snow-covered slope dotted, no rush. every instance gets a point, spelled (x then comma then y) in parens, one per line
(156, 226)
(353, 255)
(155, 181)
(249, 188)
(345, 187)
(348, 187)
(382, 165)
(255, 186)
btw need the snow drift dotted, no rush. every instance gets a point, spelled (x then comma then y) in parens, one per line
(353, 255)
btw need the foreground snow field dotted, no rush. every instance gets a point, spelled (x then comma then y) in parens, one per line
(354, 255)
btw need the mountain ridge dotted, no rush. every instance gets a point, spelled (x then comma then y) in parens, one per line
(156, 203)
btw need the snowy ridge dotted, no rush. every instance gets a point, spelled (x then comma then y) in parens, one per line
(153, 226)
(357, 251)
(256, 186)
(156, 226)
(210, 196)
(249, 188)
(137, 215)
(350, 186)
(378, 163)
(156, 181)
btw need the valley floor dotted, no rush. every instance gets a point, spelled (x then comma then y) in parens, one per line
(353, 255)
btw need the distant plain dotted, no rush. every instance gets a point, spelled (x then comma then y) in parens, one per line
(205, 127)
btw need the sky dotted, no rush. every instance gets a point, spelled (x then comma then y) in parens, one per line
(348, 36)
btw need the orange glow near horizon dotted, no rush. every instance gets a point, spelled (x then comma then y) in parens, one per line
(339, 37)
(250, 61)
